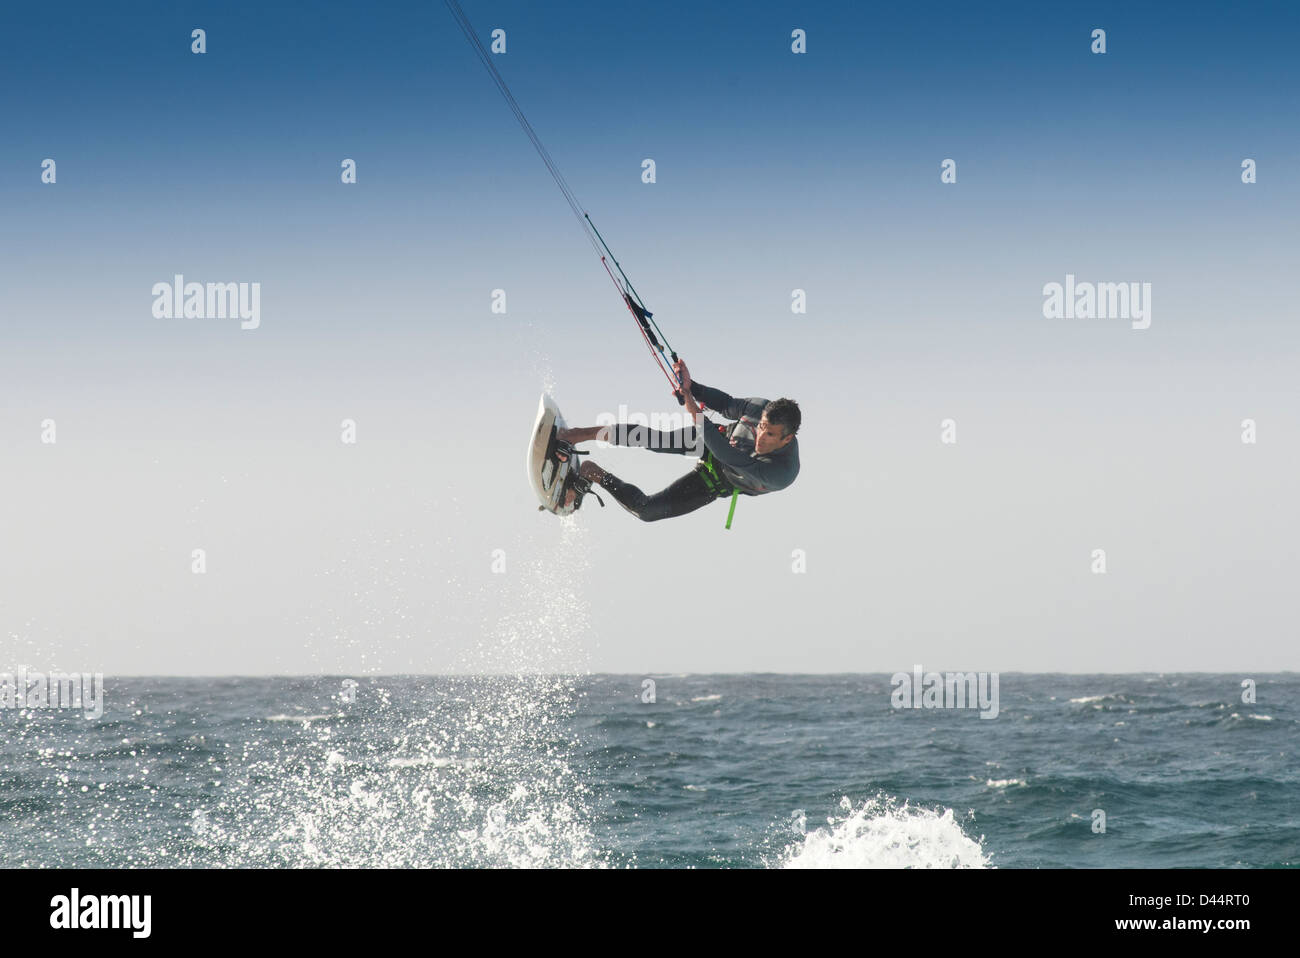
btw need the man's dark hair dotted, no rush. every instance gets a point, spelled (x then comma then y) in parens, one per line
(783, 413)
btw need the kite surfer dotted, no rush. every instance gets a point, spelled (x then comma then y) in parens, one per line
(754, 455)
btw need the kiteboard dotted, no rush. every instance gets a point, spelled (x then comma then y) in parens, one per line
(553, 463)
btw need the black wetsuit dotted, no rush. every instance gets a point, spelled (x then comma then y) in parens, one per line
(731, 449)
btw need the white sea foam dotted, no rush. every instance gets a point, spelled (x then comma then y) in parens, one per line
(432, 761)
(299, 718)
(1004, 782)
(882, 833)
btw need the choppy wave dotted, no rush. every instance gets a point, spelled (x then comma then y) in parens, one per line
(885, 833)
(572, 770)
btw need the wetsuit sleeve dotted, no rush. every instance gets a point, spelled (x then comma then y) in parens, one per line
(727, 406)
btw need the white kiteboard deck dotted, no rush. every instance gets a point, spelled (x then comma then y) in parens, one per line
(552, 464)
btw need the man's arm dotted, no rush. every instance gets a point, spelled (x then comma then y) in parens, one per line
(725, 405)
(729, 407)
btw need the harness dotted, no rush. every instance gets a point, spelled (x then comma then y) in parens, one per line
(717, 483)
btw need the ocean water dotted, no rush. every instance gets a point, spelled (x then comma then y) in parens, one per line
(734, 771)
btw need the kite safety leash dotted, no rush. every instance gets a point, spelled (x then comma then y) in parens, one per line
(735, 493)
(718, 484)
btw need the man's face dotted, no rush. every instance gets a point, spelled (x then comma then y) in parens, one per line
(769, 438)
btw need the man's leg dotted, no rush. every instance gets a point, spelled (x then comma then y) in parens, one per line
(679, 442)
(685, 494)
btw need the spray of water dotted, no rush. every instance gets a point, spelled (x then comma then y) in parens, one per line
(883, 833)
(476, 769)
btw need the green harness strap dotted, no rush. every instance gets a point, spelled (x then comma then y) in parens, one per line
(718, 485)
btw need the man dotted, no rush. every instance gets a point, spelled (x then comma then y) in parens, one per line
(756, 454)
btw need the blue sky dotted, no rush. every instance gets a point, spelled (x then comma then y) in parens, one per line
(775, 172)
